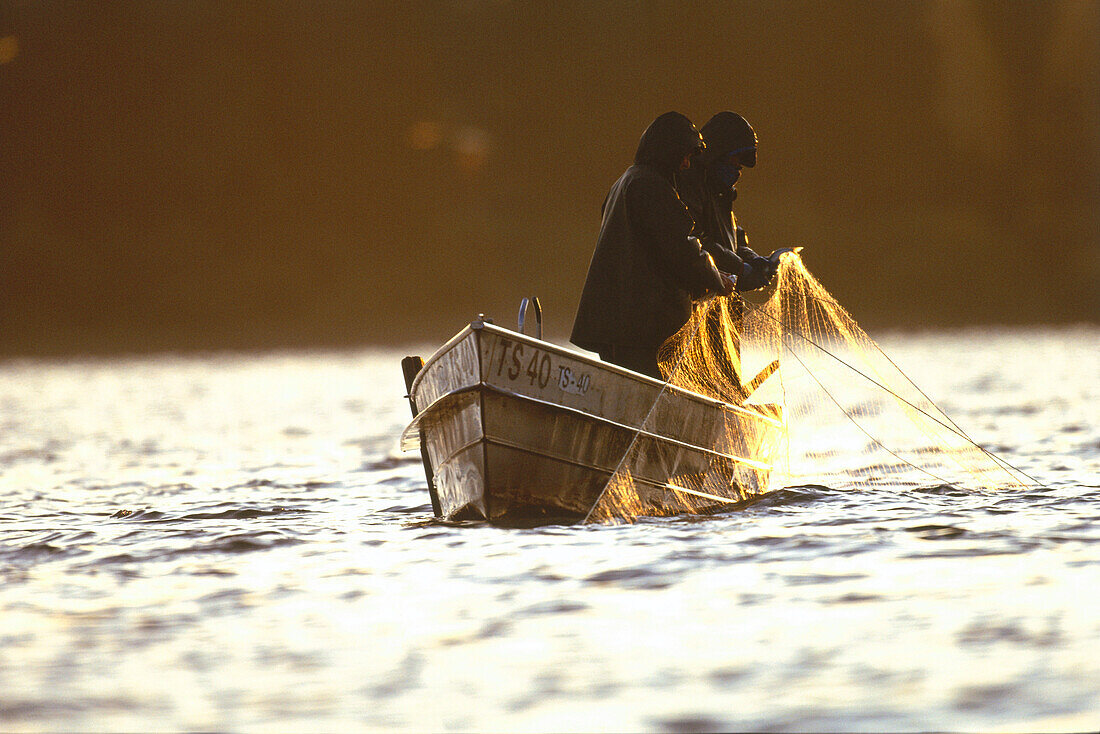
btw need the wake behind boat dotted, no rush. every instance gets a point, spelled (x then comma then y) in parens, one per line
(514, 429)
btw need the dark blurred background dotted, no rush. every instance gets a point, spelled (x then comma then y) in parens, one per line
(211, 174)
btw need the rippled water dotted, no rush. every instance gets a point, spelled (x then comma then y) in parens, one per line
(233, 542)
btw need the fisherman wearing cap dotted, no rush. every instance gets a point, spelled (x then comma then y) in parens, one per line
(708, 189)
(647, 267)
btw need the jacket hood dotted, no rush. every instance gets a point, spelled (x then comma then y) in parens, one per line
(666, 141)
(725, 133)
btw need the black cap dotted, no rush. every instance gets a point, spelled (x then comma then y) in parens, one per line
(728, 132)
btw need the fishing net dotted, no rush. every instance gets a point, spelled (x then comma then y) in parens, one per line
(807, 397)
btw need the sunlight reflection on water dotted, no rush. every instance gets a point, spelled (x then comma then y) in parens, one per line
(275, 569)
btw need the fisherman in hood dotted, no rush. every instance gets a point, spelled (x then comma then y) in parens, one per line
(646, 268)
(708, 189)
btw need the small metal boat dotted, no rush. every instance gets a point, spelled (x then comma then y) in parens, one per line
(516, 430)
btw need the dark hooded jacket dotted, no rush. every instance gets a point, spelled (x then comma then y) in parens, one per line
(645, 270)
(709, 200)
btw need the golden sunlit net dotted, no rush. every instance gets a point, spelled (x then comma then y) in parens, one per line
(820, 403)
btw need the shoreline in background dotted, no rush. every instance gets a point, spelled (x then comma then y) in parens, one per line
(553, 333)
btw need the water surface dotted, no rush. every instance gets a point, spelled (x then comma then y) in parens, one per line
(234, 542)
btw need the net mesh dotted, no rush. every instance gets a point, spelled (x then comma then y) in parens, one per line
(807, 397)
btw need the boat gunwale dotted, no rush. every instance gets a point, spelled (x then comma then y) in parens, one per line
(597, 363)
(438, 353)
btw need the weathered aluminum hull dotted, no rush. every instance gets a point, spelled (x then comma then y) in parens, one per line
(518, 430)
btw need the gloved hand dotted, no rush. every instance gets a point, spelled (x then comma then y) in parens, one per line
(772, 267)
(744, 252)
(754, 276)
(708, 278)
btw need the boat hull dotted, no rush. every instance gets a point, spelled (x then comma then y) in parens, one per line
(520, 430)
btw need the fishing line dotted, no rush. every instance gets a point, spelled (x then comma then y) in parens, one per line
(847, 415)
(832, 301)
(1004, 465)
